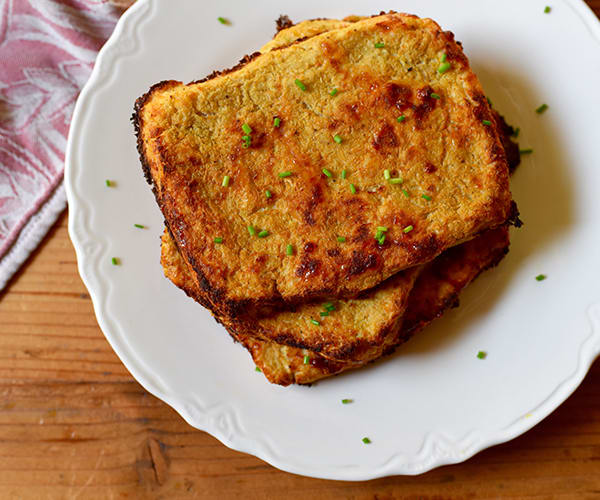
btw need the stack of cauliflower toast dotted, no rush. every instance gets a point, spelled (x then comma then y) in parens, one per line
(332, 194)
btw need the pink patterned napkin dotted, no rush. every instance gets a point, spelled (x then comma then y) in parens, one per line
(47, 50)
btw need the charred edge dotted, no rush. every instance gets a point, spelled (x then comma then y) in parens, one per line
(513, 217)
(136, 119)
(283, 22)
(511, 148)
(243, 62)
(361, 262)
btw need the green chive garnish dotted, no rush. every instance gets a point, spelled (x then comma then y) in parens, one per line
(426, 197)
(445, 66)
(381, 239)
(344, 173)
(257, 369)
(284, 174)
(327, 173)
(329, 306)
(222, 20)
(341, 239)
(347, 401)
(247, 141)
(397, 180)
(337, 139)
(289, 250)
(382, 228)
(444, 57)
(300, 85)
(482, 354)
(139, 226)
(366, 440)
(324, 313)
(486, 122)
(408, 229)
(405, 192)
(109, 183)
(306, 359)
(401, 118)
(251, 230)
(352, 189)
(379, 45)
(225, 182)
(516, 132)
(115, 261)
(386, 174)
(263, 234)
(547, 9)
(315, 322)
(246, 128)
(218, 239)
(526, 151)
(541, 109)
(540, 277)
(333, 92)
(268, 193)
(435, 96)
(276, 122)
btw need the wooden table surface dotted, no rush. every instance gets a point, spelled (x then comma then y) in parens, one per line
(75, 424)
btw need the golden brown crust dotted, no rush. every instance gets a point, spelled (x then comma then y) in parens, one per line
(269, 277)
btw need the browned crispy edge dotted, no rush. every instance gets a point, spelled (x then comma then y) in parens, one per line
(428, 248)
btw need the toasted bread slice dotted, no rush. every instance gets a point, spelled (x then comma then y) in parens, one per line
(436, 289)
(190, 137)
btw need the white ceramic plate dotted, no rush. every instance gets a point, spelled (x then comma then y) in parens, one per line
(434, 402)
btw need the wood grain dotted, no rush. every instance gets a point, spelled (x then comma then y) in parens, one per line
(74, 423)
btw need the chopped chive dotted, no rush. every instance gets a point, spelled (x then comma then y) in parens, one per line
(306, 359)
(139, 226)
(341, 239)
(285, 174)
(251, 230)
(333, 92)
(525, 151)
(405, 193)
(329, 306)
(225, 182)
(540, 277)
(315, 322)
(218, 239)
(426, 197)
(515, 133)
(337, 139)
(109, 183)
(247, 141)
(378, 235)
(327, 173)
(289, 250)
(347, 401)
(486, 122)
(268, 193)
(246, 128)
(444, 57)
(482, 354)
(381, 239)
(257, 369)
(263, 234)
(401, 118)
(352, 189)
(379, 45)
(382, 228)
(276, 122)
(366, 440)
(408, 229)
(300, 85)
(547, 9)
(435, 96)
(397, 180)
(386, 174)
(222, 20)
(324, 313)
(445, 66)
(344, 173)
(115, 261)
(541, 109)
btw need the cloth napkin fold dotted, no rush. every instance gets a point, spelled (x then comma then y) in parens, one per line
(47, 51)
